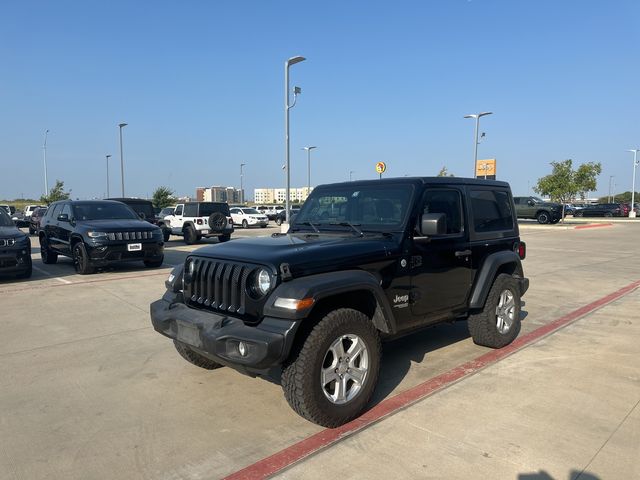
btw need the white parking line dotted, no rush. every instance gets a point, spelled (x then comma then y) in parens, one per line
(50, 275)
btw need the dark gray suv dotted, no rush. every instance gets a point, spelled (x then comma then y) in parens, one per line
(538, 209)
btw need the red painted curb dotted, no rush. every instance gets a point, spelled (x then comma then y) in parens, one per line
(310, 445)
(593, 225)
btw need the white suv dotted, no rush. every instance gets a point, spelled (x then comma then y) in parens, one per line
(247, 217)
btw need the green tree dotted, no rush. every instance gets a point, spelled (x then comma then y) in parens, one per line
(163, 197)
(56, 193)
(564, 183)
(445, 173)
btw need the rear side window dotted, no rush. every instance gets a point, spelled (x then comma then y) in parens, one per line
(491, 210)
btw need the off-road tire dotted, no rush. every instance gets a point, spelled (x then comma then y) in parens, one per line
(48, 256)
(190, 235)
(543, 217)
(217, 221)
(153, 263)
(482, 325)
(166, 234)
(81, 260)
(195, 358)
(224, 238)
(301, 374)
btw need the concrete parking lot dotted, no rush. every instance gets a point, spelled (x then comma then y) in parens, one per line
(89, 390)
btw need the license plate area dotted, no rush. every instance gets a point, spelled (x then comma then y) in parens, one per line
(134, 247)
(188, 334)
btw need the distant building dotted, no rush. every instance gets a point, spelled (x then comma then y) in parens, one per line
(279, 195)
(219, 194)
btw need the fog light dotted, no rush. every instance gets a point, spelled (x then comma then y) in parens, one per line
(242, 349)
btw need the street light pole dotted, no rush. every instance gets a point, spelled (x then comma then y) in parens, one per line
(287, 64)
(632, 212)
(241, 183)
(308, 149)
(121, 158)
(351, 175)
(609, 197)
(44, 154)
(108, 157)
(475, 135)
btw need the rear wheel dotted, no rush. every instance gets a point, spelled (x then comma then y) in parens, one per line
(245, 224)
(81, 259)
(195, 358)
(608, 214)
(190, 236)
(498, 324)
(543, 217)
(330, 380)
(224, 238)
(166, 234)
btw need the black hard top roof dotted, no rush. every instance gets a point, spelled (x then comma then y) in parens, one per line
(424, 181)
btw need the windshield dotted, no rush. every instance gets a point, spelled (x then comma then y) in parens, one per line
(5, 219)
(102, 211)
(537, 199)
(250, 211)
(377, 207)
(142, 207)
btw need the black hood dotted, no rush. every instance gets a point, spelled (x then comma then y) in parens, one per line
(306, 252)
(116, 225)
(11, 232)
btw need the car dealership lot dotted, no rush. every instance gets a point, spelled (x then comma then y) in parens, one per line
(89, 390)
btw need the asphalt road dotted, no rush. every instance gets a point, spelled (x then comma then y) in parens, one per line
(89, 390)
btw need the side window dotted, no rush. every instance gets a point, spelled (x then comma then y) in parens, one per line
(447, 202)
(518, 200)
(66, 209)
(491, 210)
(178, 210)
(53, 211)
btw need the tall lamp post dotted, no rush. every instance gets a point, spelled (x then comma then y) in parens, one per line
(351, 175)
(241, 183)
(610, 180)
(44, 155)
(296, 91)
(308, 149)
(108, 157)
(475, 141)
(632, 212)
(121, 158)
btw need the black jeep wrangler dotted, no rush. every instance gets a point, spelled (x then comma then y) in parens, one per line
(363, 262)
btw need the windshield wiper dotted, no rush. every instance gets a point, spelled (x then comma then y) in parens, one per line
(349, 224)
(315, 229)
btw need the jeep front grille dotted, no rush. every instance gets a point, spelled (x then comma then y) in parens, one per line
(129, 235)
(7, 242)
(220, 286)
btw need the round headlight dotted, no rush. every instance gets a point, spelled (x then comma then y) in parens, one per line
(263, 281)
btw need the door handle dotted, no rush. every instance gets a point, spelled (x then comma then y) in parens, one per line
(463, 253)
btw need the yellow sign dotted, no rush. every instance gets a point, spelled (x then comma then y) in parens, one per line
(381, 167)
(486, 168)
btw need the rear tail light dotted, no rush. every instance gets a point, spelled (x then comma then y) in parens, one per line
(521, 249)
(199, 221)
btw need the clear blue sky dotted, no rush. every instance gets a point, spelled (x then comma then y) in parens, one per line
(200, 84)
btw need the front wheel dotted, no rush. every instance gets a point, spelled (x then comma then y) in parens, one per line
(278, 221)
(245, 224)
(154, 263)
(498, 324)
(608, 214)
(330, 380)
(81, 259)
(166, 234)
(47, 255)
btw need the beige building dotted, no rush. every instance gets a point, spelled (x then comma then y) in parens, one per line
(279, 195)
(218, 194)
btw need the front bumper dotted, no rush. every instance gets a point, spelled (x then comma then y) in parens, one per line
(105, 253)
(15, 260)
(217, 336)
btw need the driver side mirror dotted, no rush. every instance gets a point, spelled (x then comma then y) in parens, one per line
(142, 215)
(432, 224)
(531, 203)
(63, 217)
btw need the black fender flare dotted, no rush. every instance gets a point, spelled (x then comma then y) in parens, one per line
(329, 284)
(484, 278)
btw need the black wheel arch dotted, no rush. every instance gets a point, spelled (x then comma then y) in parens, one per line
(346, 289)
(500, 262)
